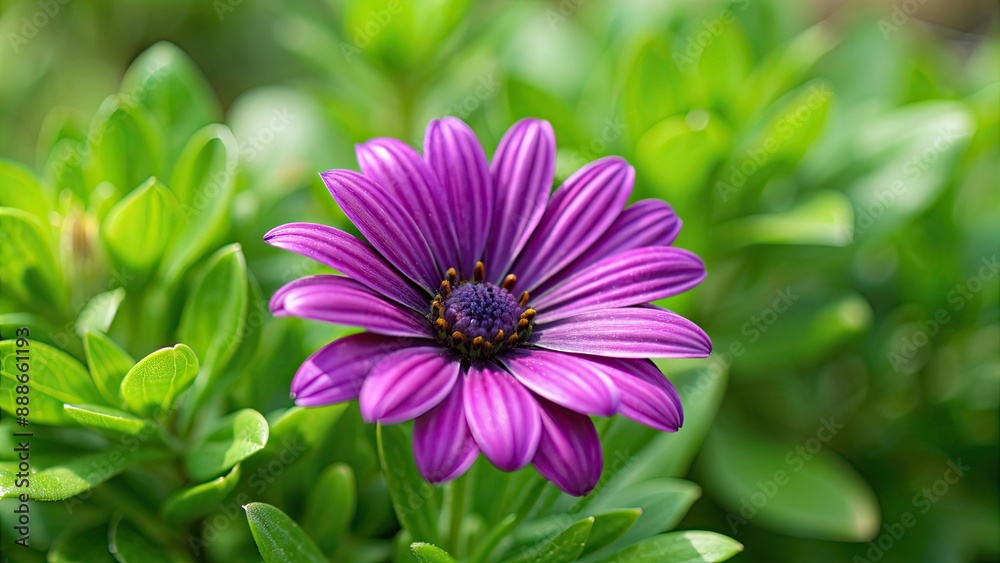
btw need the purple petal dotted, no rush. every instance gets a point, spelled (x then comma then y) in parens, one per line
(453, 152)
(633, 332)
(340, 300)
(411, 182)
(407, 384)
(569, 453)
(580, 212)
(647, 397)
(386, 225)
(442, 444)
(630, 278)
(334, 373)
(503, 417)
(650, 222)
(570, 381)
(344, 253)
(523, 169)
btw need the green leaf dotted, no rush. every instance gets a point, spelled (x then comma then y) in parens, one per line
(414, 500)
(30, 269)
(677, 154)
(73, 477)
(154, 383)
(82, 546)
(680, 547)
(214, 315)
(105, 418)
(138, 228)
(22, 190)
(498, 534)
(204, 181)
(565, 546)
(234, 438)
(108, 364)
(53, 372)
(826, 219)
(330, 507)
(124, 145)
(279, 539)
(769, 483)
(44, 409)
(130, 545)
(653, 88)
(427, 553)
(188, 504)
(99, 312)
(609, 526)
(635, 453)
(663, 503)
(168, 83)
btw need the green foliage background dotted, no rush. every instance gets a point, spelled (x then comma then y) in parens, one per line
(835, 165)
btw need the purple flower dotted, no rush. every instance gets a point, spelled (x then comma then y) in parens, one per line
(497, 316)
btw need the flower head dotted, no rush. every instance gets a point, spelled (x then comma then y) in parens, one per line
(496, 316)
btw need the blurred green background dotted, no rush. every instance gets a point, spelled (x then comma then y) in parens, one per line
(835, 164)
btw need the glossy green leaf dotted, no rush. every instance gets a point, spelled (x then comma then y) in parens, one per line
(567, 545)
(428, 553)
(214, 315)
(778, 485)
(53, 372)
(155, 381)
(663, 503)
(108, 364)
(609, 526)
(138, 228)
(30, 269)
(192, 502)
(204, 181)
(168, 83)
(73, 477)
(124, 146)
(99, 312)
(105, 418)
(414, 500)
(233, 439)
(330, 507)
(279, 539)
(634, 453)
(22, 190)
(680, 547)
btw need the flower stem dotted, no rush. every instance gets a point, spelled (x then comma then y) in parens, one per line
(457, 490)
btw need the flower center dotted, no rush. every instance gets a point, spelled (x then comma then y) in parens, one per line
(478, 319)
